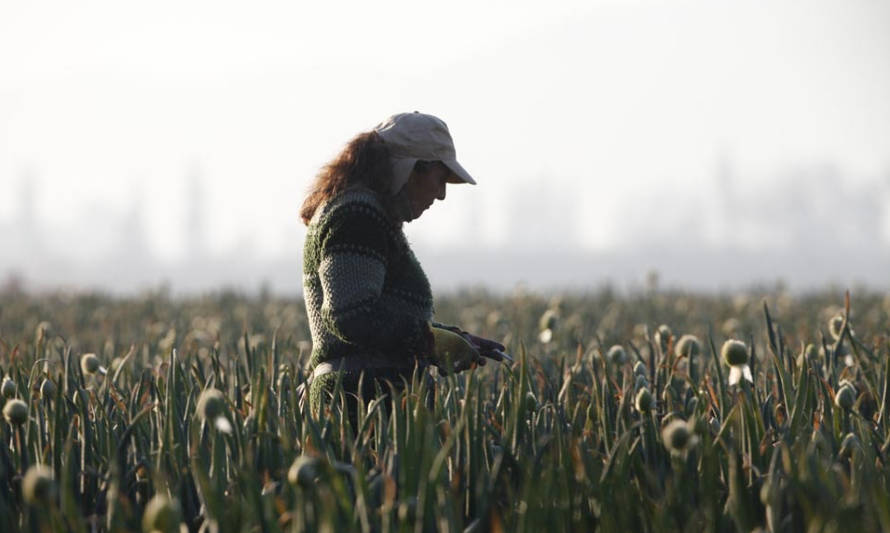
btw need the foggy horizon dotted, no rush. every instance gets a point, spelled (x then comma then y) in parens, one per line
(799, 229)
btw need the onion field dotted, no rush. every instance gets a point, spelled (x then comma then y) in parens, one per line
(648, 411)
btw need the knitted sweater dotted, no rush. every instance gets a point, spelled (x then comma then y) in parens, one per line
(365, 292)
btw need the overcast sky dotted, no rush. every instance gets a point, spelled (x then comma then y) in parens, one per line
(590, 105)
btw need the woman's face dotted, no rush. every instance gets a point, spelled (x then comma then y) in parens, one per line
(426, 186)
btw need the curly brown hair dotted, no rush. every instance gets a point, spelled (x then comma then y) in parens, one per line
(364, 160)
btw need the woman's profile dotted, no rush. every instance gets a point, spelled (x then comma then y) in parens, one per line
(368, 300)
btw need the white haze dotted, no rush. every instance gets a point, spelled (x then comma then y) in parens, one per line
(720, 143)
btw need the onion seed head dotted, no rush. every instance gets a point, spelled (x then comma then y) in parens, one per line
(43, 331)
(8, 387)
(644, 400)
(734, 353)
(810, 353)
(284, 380)
(211, 404)
(676, 436)
(548, 320)
(835, 325)
(304, 471)
(90, 364)
(38, 485)
(845, 397)
(531, 402)
(663, 336)
(688, 346)
(617, 355)
(15, 412)
(284, 383)
(162, 514)
(850, 445)
(48, 389)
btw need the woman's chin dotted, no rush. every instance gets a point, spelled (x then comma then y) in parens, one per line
(416, 212)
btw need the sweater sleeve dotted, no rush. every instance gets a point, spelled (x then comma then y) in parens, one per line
(353, 268)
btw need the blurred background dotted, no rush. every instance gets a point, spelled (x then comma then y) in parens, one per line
(707, 145)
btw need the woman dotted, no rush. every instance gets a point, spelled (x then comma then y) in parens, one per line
(368, 300)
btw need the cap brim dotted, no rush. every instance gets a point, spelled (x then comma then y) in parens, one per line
(459, 174)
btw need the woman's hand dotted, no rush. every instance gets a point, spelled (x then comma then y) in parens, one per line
(486, 347)
(452, 348)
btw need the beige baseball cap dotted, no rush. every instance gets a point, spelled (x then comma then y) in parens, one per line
(413, 137)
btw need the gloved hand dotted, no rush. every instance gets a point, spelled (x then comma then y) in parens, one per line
(485, 347)
(451, 347)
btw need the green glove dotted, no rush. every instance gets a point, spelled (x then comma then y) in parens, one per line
(452, 347)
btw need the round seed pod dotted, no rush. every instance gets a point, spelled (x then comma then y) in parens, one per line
(714, 425)
(640, 369)
(211, 404)
(89, 363)
(850, 445)
(688, 346)
(641, 382)
(48, 389)
(38, 486)
(548, 320)
(8, 387)
(835, 325)
(304, 471)
(734, 353)
(663, 336)
(43, 331)
(81, 395)
(845, 397)
(820, 443)
(810, 353)
(676, 435)
(617, 355)
(15, 412)
(644, 400)
(531, 403)
(162, 514)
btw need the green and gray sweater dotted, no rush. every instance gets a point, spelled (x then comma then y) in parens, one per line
(366, 294)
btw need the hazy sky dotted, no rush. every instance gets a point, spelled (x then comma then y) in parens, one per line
(594, 104)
